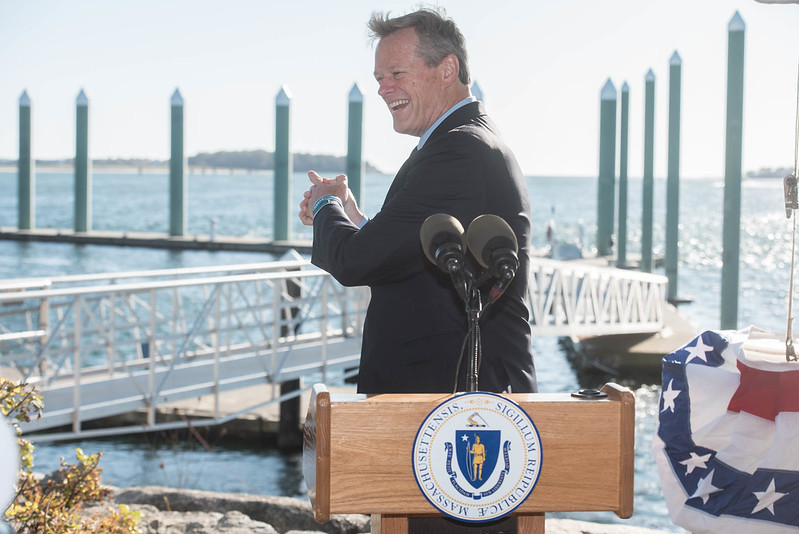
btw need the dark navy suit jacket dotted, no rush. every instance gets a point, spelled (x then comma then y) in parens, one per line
(416, 323)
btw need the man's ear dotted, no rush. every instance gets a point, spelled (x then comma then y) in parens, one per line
(450, 69)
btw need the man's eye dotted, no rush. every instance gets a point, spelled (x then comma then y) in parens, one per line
(398, 73)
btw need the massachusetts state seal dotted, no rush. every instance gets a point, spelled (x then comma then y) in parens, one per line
(477, 457)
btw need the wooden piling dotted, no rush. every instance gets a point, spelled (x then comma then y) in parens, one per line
(621, 255)
(283, 165)
(83, 176)
(26, 184)
(673, 177)
(731, 238)
(647, 215)
(178, 184)
(289, 435)
(606, 189)
(477, 92)
(355, 163)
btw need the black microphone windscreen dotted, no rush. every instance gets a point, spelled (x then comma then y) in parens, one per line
(438, 229)
(487, 233)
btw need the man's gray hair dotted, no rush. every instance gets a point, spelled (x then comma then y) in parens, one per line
(438, 36)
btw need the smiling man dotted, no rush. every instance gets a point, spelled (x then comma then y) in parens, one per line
(416, 324)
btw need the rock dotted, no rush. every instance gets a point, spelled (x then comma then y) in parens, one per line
(173, 511)
(571, 526)
(282, 513)
(160, 522)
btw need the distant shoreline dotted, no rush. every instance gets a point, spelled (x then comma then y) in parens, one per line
(768, 172)
(158, 169)
(152, 167)
(133, 169)
(246, 161)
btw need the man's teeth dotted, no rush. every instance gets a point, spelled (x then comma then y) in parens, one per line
(397, 103)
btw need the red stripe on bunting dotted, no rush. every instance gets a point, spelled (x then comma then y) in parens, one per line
(766, 393)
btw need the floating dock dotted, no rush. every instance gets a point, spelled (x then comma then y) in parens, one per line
(635, 356)
(157, 240)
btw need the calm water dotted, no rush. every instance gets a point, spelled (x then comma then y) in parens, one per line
(241, 206)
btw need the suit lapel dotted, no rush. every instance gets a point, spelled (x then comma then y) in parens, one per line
(401, 176)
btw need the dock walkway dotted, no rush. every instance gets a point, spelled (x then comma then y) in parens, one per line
(105, 345)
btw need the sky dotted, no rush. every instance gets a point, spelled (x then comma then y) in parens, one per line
(540, 65)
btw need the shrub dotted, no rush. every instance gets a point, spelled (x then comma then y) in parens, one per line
(53, 505)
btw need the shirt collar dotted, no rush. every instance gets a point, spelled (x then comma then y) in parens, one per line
(426, 135)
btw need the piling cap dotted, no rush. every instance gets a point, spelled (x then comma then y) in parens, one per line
(736, 23)
(608, 91)
(625, 88)
(650, 76)
(476, 91)
(82, 100)
(177, 100)
(24, 101)
(356, 96)
(675, 60)
(283, 97)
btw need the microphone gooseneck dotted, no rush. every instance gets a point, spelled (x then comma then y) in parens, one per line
(442, 238)
(493, 244)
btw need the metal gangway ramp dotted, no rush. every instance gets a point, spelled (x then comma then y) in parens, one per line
(104, 345)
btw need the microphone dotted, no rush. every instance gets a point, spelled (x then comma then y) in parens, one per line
(494, 246)
(443, 244)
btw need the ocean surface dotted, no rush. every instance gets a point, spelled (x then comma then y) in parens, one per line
(241, 205)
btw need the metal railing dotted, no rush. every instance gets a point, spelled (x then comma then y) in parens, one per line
(109, 344)
(139, 340)
(572, 299)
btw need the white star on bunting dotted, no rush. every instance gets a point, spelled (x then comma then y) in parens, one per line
(668, 397)
(695, 461)
(766, 499)
(705, 488)
(698, 351)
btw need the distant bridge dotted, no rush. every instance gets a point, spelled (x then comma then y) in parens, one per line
(103, 345)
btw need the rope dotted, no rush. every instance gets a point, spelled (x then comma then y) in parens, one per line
(790, 353)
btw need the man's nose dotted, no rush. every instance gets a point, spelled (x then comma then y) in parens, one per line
(384, 87)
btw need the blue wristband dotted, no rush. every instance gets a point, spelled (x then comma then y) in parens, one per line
(324, 201)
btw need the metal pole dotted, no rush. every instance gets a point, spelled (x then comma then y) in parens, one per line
(649, 173)
(621, 256)
(355, 164)
(178, 186)
(26, 183)
(673, 176)
(83, 176)
(606, 189)
(283, 165)
(732, 174)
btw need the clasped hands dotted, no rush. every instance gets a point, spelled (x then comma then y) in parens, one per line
(322, 187)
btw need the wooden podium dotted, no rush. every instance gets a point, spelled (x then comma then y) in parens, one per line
(357, 456)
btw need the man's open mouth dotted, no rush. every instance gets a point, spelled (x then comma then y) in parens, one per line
(398, 104)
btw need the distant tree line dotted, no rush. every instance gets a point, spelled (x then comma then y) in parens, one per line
(769, 172)
(251, 160)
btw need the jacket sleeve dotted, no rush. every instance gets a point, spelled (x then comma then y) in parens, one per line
(444, 179)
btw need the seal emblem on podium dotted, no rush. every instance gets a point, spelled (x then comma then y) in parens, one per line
(477, 456)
